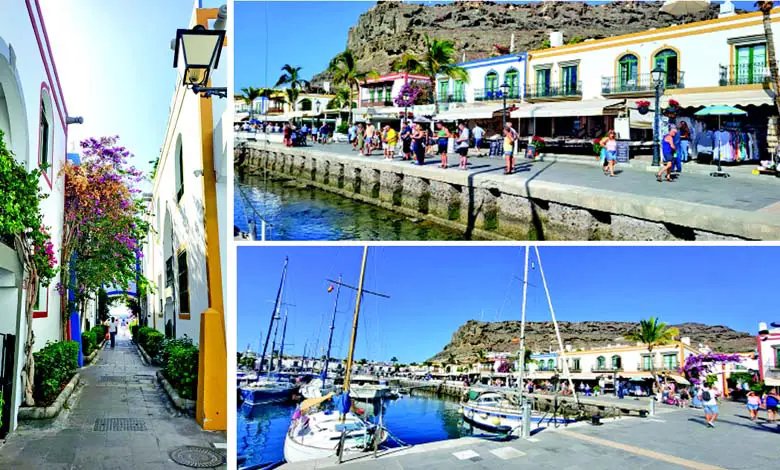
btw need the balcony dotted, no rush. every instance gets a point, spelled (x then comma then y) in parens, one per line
(481, 94)
(606, 368)
(272, 111)
(638, 85)
(672, 366)
(553, 91)
(744, 75)
(375, 103)
(452, 99)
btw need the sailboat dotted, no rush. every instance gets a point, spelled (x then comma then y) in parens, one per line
(501, 412)
(270, 388)
(320, 424)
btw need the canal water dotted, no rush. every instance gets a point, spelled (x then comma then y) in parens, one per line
(298, 212)
(414, 419)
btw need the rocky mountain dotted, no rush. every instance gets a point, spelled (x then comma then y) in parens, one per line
(391, 28)
(475, 336)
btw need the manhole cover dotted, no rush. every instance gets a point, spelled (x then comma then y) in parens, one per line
(119, 424)
(197, 457)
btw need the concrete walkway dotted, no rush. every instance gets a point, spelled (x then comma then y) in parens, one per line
(673, 439)
(118, 386)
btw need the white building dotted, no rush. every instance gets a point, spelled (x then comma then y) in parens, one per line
(376, 98)
(186, 252)
(34, 118)
(768, 341)
(581, 90)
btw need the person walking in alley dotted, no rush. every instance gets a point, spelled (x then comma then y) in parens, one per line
(709, 400)
(112, 328)
(668, 149)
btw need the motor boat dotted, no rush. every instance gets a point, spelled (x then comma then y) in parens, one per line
(494, 412)
(265, 391)
(316, 429)
(369, 392)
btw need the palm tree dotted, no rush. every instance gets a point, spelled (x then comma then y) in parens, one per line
(345, 73)
(292, 97)
(766, 10)
(653, 333)
(343, 99)
(438, 59)
(394, 359)
(249, 96)
(292, 77)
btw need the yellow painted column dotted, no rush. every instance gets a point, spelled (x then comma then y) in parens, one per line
(211, 405)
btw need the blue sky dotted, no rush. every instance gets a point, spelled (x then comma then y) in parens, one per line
(434, 290)
(116, 66)
(319, 33)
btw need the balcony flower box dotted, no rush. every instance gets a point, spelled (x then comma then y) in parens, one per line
(643, 106)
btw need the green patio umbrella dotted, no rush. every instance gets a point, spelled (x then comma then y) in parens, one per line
(720, 111)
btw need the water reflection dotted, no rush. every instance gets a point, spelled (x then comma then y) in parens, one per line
(299, 212)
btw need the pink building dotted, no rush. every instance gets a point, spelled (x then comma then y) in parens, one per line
(768, 341)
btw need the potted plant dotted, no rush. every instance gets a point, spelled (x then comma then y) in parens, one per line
(673, 108)
(538, 144)
(643, 106)
(597, 146)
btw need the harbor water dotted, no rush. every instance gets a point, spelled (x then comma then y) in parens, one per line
(416, 419)
(299, 212)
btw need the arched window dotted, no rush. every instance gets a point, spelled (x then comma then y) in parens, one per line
(616, 363)
(551, 364)
(511, 78)
(669, 60)
(601, 363)
(628, 72)
(305, 105)
(491, 84)
(179, 162)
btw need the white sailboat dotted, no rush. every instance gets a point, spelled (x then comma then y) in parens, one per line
(317, 430)
(497, 411)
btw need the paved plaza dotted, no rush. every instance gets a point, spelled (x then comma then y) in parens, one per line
(118, 386)
(743, 191)
(673, 439)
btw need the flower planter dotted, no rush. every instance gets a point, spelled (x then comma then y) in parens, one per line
(643, 109)
(183, 404)
(51, 411)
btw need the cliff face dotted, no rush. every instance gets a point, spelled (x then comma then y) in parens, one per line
(389, 29)
(475, 336)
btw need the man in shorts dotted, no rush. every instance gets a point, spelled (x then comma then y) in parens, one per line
(708, 397)
(392, 141)
(477, 132)
(406, 140)
(462, 143)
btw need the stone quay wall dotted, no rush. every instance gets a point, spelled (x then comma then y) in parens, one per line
(493, 207)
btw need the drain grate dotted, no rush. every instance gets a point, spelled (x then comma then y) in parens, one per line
(197, 457)
(119, 424)
(113, 378)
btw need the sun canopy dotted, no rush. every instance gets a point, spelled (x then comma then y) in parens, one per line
(465, 114)
(310, 402)
(720, 111)
(679, 379)
(564, 109)
(772, 382)
(725, 98)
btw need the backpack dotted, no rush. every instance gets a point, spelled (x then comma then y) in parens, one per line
(706, 395)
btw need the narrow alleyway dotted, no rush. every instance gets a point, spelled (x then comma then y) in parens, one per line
(120, 418)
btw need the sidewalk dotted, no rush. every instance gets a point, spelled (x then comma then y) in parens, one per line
(143, 430)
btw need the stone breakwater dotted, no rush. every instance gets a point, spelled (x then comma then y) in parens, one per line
(489, 205)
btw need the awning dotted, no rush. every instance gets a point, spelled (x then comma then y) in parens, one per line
(241, 117)
(724, 98)
(465, 114)
(772, 382)
(640, 121)
(563, 109)
(582, 377)
(679, 379)
(540, 375)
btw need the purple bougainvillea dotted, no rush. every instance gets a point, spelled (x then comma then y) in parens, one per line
(411, 92)
(699, 366)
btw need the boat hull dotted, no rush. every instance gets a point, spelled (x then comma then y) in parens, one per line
(368, 393)
(255, 397)
(504, 421)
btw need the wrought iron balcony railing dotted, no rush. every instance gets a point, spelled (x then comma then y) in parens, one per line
(606, 368)
(659, 367)
(460, 98)
(641, 83)
(375, 103)
(744, 74)
(492, 94)
(553, 90)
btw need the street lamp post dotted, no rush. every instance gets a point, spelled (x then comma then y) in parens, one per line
(504, 89)
(658, 75)
(200, 49)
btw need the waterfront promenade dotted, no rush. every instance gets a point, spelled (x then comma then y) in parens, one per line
(571, 200)
(673, 439)
(118, 388)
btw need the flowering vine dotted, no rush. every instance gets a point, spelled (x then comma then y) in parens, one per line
(411, 92)
(699, 366)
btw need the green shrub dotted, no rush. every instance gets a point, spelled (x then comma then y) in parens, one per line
(87, 342)
(151, 340)
(181, 369)
(342, 128)
(55, 365)
(170, 344)
(100, 333)
(134, 331)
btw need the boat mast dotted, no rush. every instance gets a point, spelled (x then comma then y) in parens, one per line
(522, 326)
(273, 317)
(273, 345)
(332, 327)
(557, 331)
(284, 333)
(359, 297)
(303, 359)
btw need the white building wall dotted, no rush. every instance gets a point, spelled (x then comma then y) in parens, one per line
(700, 55)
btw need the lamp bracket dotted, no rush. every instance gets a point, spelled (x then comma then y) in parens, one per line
(208, 92)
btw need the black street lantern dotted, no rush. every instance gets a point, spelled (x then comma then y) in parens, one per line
(504, 87)
(317, 105)
(201, 49)
(659, 75)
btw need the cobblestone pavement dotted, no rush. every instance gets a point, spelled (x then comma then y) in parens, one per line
(673, 439)
(117, 387)
(734, 193)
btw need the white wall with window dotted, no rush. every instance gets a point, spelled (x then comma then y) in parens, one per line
(485, 79)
